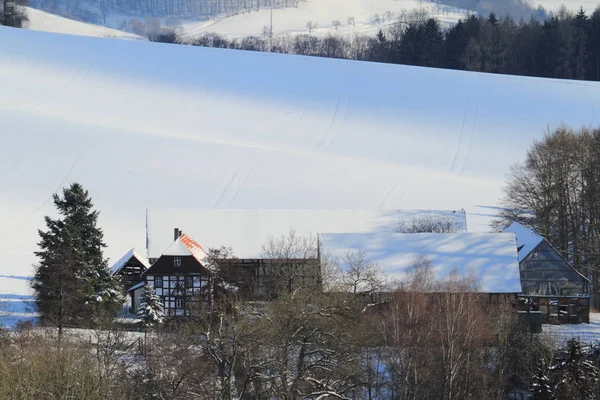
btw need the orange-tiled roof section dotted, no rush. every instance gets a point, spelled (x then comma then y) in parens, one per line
(190, 243)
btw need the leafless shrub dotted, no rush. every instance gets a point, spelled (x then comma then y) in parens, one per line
(427, 224)
(33, 366)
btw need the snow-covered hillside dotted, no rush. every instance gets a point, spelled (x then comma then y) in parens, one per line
(46, 22)
(572, 5)
(146, 125)
(369, 17)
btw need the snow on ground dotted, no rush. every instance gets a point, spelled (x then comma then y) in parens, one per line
(322, 13)
(145, 125)
(572, 5)
(46, 22)
(587, 333)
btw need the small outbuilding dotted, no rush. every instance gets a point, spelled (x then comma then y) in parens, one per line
(130, 268)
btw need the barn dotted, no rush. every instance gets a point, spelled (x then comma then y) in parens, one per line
(550, 284)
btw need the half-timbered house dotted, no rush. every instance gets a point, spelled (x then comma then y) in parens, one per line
(178, 276)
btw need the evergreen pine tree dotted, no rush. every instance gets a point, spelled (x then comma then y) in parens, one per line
(542, 386)
(579, 375)
(151, 311)
(72, 282)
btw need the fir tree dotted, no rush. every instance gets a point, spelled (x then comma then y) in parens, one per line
(542, 388)
(151, 312)
(579, 378)
(72, 282)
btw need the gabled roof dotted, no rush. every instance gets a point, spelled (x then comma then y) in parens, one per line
(139, 285)
(527, 239)
(247, 230)
(491, 258)
(128, 256)
(185, 246)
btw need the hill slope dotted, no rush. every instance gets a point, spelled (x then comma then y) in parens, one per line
(46, 22)
(572, 5)
(144, 125)
(323, 13)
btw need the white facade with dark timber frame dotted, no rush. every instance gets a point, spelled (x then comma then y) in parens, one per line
(178, 276)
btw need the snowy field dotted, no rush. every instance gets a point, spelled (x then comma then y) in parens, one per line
(572, 5)
(145, 125)
(46, 22)
(587, 333)
(323, 13)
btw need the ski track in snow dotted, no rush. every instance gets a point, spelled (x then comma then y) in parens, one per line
(470, 141)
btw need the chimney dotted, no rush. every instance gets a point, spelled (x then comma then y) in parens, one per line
(176, 234)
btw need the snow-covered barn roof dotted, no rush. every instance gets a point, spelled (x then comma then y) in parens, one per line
(123, 260)
(246, 231)
(527, 239)
(490, 257)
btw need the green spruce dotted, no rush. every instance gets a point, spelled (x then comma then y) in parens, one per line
(72, 284)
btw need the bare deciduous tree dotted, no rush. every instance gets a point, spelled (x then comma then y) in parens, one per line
(292, 262)
(311, 25)
(359, 275)
(556, 191)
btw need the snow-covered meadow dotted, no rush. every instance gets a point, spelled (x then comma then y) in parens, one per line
(47, 22)
(571, 5)
(368, 18)
(586, 333)
(144, 125)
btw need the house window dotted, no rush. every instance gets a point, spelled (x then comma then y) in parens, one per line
(189, 281)
(177, 261)
(158, 282)
(179, 303)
